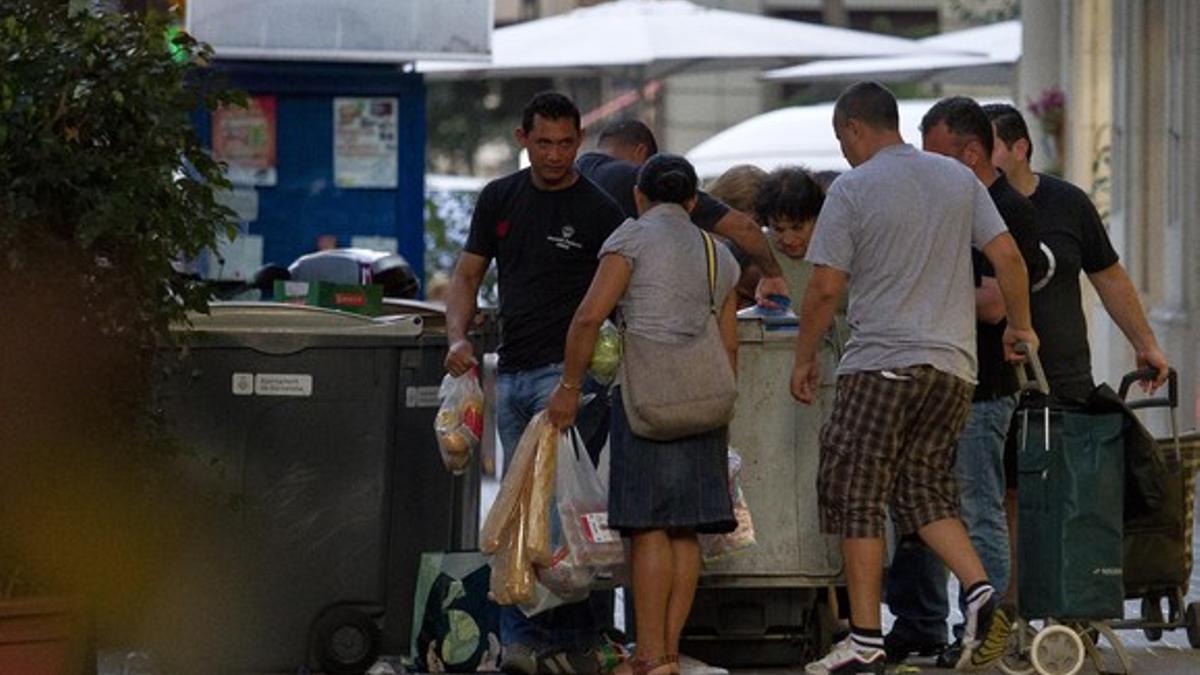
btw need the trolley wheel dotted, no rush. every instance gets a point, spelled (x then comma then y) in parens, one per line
(1152, 613)
(1057, 650)
(346, 641)
(1016, 659)
(1193, 624)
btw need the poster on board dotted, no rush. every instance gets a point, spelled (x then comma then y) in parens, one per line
(244, 138)
(365, 153)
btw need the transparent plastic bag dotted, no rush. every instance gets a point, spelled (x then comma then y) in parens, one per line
(541, 498)
(606, 355)
(512, 573)
(504, 509)
(582, 497)
(713, 547)
(459, 421)
(565, 576)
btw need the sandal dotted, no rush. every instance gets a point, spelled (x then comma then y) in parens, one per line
(639, 666)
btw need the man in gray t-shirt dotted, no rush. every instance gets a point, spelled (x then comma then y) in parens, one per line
(898, 231)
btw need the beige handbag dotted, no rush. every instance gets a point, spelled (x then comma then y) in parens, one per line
(672, 390)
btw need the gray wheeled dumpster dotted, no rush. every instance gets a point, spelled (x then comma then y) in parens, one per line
(769, 605)
(315, 430)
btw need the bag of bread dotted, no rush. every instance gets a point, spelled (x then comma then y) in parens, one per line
(459, 421)
(512, 571)
(504, 508)
(541, 499)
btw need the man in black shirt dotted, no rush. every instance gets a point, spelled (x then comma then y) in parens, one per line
(621, 149)
(916, 586)
(1071, 228)
(544, 226)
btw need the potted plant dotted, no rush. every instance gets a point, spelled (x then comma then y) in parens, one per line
(104, 186)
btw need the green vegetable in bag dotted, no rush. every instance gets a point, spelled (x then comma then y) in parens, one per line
(606, 355)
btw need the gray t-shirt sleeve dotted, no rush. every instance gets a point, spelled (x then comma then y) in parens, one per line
(832, 241)
(626, 240)
(987, 223)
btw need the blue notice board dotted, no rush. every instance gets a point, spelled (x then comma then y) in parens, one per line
(305, 204)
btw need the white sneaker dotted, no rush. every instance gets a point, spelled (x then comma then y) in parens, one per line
(846, 658)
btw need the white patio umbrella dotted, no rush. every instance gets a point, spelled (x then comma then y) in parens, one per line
(981, 55)
(801, 135)
(646, 39)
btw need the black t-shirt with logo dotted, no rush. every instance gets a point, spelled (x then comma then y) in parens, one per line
(996, 377)
(1069, 225)
(545, 245)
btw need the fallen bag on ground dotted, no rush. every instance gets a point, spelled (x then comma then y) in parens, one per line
(456, 627)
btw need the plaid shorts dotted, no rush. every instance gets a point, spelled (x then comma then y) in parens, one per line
(891, 441)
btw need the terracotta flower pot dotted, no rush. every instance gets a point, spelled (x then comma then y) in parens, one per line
(43, 636)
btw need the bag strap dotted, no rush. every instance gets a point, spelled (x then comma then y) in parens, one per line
(710, 254)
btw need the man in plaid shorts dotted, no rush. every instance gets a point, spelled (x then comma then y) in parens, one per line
(898, 230)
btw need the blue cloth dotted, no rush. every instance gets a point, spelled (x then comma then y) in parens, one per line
(519, 396)
(682, 483)
(916, 581)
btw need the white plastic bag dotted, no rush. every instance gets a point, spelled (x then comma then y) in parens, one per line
(459, 421)
(713, 547)
(582, 497)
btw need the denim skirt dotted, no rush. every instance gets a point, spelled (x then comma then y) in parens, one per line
(679, 484)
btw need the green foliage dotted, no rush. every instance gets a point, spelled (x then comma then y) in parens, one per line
(464, 115)
(97, 152)
(103, 186)
(977, 13)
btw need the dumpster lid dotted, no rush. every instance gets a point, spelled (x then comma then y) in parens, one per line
(769, 318)
(281, 318)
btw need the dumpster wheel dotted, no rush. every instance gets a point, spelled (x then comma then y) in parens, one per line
(1016, 659)
(346, 641)
(1057, 650)
(1193, 624)
(1152, 613)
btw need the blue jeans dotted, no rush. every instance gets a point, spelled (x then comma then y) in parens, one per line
(519, 396)
(916, 581)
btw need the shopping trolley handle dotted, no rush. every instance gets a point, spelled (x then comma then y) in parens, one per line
(1031, 363)
(1171, 400)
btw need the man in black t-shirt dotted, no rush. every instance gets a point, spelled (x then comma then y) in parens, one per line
(1071, 229)
(544, 227)
(624, 145)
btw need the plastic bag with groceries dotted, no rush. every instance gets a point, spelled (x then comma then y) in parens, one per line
(714, 547)
(547, 527)
(459, 421)
(606, 355)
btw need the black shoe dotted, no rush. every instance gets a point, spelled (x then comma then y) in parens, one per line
(949, 657)
(900, 644)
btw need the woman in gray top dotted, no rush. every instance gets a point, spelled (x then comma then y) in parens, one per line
(661, 493)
